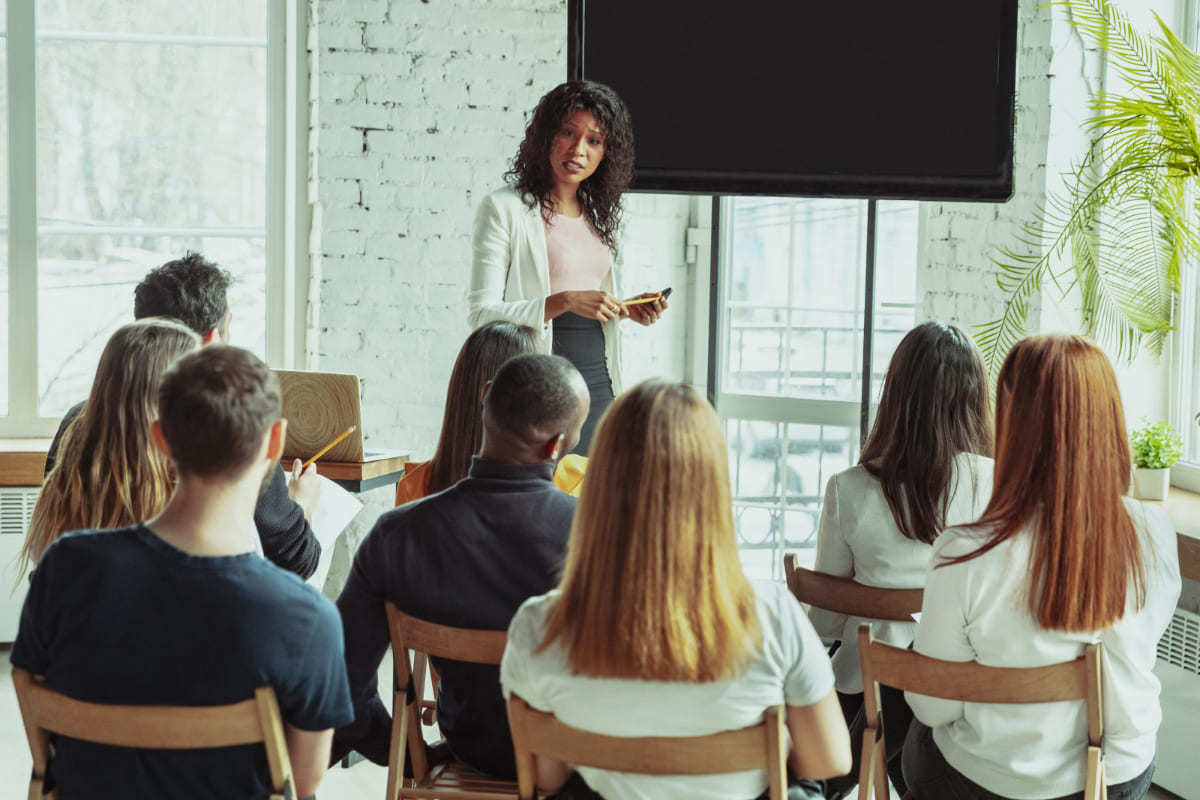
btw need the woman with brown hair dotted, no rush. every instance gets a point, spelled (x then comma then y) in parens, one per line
(109, 474)
(1060, 558)
(926, 466)
(480, 358)
(655, 630)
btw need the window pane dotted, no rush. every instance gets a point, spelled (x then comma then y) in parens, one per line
(795, 278)
(224, 18)
(895, 283)
(3, 213)
(1191, 425)
(85, 292)
(151, 134)
(778, 473)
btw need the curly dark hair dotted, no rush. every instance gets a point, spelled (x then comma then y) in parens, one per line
(600, 194)
(189, 289)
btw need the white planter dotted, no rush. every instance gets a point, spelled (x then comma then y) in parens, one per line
(1152, 484)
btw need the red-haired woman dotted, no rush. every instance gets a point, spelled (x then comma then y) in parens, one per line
(1060, 559)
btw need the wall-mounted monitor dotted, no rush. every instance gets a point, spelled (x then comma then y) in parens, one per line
(861, 99)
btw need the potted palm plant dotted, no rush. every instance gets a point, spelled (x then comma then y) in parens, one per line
(1123, 225)
(1156, 448)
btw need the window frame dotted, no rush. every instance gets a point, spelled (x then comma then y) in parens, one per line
(1184, 349)
(854, 415)
(287, 210)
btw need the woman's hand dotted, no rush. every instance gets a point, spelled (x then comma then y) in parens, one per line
(647, 313)
(596, 305)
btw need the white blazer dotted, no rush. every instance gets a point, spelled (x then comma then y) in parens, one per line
(510, 274)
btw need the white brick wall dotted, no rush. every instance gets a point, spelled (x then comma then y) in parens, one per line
(955, 276)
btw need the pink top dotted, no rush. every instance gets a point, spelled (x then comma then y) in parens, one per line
(578, 258)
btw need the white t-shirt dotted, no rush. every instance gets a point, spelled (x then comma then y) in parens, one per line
(790, 669)
(858, 538)
(978, 611)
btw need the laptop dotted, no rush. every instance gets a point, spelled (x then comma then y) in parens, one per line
(319, 407)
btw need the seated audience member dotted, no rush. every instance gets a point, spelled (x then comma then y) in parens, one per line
(488, 347)
(925, 467)
(181, 610)
(468, 557)
(193, 291)
(655, 630)
(1060, 559)
(109, 474)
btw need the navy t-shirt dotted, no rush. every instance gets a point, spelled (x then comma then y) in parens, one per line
(121, 616)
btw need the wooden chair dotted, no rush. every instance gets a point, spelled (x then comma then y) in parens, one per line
(425, 639)
(760, 746)
(975, 683)
(152, 727)
(845, 596)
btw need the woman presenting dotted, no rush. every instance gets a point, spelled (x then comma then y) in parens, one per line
(544, 245)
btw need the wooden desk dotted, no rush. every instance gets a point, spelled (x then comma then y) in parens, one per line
(23, 461)
(362, 476)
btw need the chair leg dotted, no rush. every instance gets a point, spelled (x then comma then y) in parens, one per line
(866, 766)
(1096, 786)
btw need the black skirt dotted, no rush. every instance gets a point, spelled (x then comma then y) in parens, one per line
(581, 341)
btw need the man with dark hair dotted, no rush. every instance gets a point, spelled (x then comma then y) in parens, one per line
(193, 291)
(181, 610)
(468, 557)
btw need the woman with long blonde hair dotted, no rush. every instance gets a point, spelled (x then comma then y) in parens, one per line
(655, 630)
(108, 472)
(1060, 558)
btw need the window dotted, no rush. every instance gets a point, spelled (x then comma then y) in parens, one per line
(140, 129)
(794, 289)
(1185, 344)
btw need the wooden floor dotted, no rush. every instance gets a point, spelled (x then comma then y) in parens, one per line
(363, 780)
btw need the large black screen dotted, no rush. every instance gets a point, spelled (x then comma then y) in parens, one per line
(810, 97)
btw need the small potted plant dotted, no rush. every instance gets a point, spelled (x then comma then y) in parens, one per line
(1156, 448)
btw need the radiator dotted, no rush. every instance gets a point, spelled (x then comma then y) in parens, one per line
(16, 509)
(1178, 668)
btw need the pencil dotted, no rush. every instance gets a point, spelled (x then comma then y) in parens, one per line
(643, 300)
(327, 448)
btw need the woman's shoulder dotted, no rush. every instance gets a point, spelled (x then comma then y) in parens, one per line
(854, 479)
(528, 625)
(506, 198)
(1153, 522)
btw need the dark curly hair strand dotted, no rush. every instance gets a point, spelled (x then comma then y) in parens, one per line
(600, 194)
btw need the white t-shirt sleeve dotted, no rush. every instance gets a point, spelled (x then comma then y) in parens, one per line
(808, 675)
(833, 558)
(516, 666)
(942, 631)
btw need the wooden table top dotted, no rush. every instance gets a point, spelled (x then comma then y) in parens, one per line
(23, 461)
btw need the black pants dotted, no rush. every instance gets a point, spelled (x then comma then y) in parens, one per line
(896, 718)
(576, 789)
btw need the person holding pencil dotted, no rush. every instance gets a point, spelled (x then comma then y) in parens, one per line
(544, 246)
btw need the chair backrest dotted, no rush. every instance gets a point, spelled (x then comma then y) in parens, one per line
(45, 711)
(425, 639)
(845, 596)
(969, 681)
(759, 746)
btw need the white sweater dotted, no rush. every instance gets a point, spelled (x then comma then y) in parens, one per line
(858, 538)
(510, 274)
(978, 611)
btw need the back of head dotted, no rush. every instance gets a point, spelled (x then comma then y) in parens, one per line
(480, 358)
(1062, 467)
(215, 408)
(109, 473)
(533, 397)
(934, 407)
(653, 536)
(189, 289)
